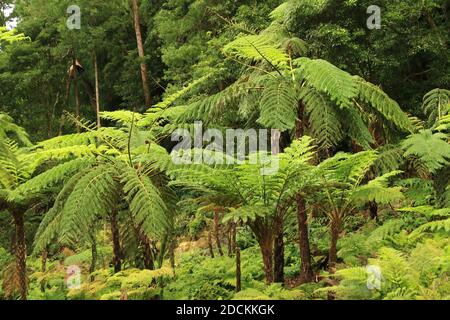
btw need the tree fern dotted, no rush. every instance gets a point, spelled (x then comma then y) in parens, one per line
(436, 104)
(327, 78)
(262, 47)
(323, 118)
(431, 148)
(380, 101)
(278, 106)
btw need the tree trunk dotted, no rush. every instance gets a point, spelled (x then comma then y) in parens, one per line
(149, 260)
(21, 253)
(93, 258)
(97, 92)
(210, 246)
(217, 232)
(373, 210)
(306, 272)
(266, 245)
(232, 239)
(238, 270)
(144, 70)
(116, 242)
(172, 254)
(335, 230)
(43, 267)
(278, 252)
(76, 93)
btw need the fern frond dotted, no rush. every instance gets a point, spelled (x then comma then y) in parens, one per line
(323, 118)
(327, 78)
(373, 96)
(263, 47)
(278, 106)
(436, 104)
(146, 202)
(432, 149)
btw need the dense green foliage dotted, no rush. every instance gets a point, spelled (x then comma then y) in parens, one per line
(354, 204)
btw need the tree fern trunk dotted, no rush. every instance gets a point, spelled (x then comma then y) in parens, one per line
(306, 272)
(266, 245)
(335, 230)
(217, 232)
(238, 270)
(210, 246)
(149, 259)
(117, 262)
(93, 258)
(20, 252)
(278, 252)
(373, 210)
(43, 267)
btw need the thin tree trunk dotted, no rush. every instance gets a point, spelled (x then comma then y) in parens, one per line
(210, 246)
(140, 46)
(43, 267)
(229, 235)
(76, 92)
(306, 272)
(93, 258)
(238, 270)
(335, 230)
(97, 92)
(117, 262)
(217, 232)
(21, 253)
(278, 252)
(172, 254)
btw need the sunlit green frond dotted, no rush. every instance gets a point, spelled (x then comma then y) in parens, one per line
(431, 148)
(323, 118)
(436, 104)
(376, 98)
(146, 202)
(278, 106)
(378, 190)
(8, 129)
(263, 47)
(327, 78)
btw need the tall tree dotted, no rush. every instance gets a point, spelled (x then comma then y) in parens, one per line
(140, 46)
